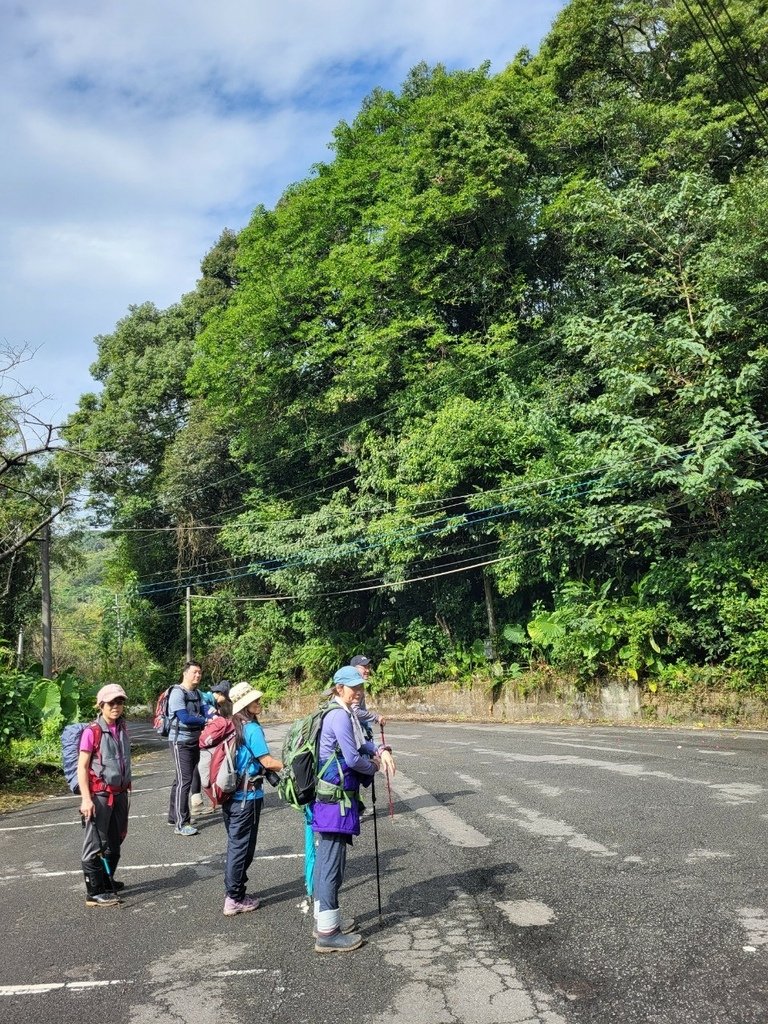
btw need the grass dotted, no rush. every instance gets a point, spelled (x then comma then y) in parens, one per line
(26, 783)
(29, 769)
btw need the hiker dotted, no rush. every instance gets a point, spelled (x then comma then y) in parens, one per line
(187, 720)
(362, 663)
(215, 703)
(104, 777)
(243, 809)
(346, 761)
(216, 700)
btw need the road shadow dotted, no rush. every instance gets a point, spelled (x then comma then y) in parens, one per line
(432, 897)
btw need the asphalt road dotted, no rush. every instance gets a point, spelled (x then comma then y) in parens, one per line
(529, 874)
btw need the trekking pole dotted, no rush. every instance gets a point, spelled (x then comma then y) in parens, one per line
(389, 784)
(376, 848)
(107, 870)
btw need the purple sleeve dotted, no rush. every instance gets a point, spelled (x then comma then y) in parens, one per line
(337, 729)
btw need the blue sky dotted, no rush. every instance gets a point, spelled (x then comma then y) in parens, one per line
(135, 132)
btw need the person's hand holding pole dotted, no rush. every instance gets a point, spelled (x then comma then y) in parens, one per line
(389, 769)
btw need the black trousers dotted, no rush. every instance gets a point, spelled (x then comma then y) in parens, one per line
(106, 830)
(185, 758)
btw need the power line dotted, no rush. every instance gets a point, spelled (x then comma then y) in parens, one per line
(344, 549)
(724, 70)
(741, 66)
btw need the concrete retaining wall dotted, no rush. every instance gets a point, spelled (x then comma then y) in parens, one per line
(613, 703)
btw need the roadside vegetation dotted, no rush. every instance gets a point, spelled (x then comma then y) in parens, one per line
(483, 396)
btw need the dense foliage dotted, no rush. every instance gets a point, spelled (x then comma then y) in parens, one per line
(487, 387)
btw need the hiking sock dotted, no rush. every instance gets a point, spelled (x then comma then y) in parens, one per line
(328, 921)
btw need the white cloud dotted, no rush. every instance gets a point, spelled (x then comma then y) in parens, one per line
(135, 132)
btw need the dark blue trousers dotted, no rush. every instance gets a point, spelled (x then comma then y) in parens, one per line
(241, 820)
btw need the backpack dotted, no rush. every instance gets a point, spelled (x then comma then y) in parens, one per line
(70, 749)
(161, 722)
(218, 774)
(298, 779)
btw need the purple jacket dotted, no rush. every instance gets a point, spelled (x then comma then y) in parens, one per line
(356, 767)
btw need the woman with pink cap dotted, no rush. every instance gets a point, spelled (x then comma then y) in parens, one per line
(104, 778)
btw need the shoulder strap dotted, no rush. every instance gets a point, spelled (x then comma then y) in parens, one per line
(320, 771)
(187, 695)
(97, 734)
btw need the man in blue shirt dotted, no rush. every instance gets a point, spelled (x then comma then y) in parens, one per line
(185, 710)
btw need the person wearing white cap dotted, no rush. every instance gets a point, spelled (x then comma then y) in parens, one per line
(242, 810)
(104, 778)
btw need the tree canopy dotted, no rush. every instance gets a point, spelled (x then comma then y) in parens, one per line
(494, 374)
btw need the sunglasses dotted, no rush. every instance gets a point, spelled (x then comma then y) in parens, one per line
(117, 700)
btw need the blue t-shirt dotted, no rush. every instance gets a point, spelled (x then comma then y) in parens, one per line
(254, 746)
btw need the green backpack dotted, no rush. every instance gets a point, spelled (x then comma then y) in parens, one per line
(299, 777)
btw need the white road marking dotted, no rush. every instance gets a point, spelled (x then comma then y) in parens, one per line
(535, 822)
(730, 793)
(612, 750)
(34, 990)
(59, 824)
(148, 867)
(542, 787)
(717, 753)
(754, 921)
(236, 974)
(698, 855)
(453, 828)
(469, 780)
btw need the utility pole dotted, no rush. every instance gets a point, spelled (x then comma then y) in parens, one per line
(45, 584)
(188, 603)
(491, 614)
(119, 629)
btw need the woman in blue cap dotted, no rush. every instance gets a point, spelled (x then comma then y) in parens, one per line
(346, 761)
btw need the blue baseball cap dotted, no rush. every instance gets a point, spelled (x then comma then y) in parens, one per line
(348, 676)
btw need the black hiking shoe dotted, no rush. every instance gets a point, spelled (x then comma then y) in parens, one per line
(101, 899)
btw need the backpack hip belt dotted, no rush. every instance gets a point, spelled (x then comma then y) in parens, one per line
(96, 785)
